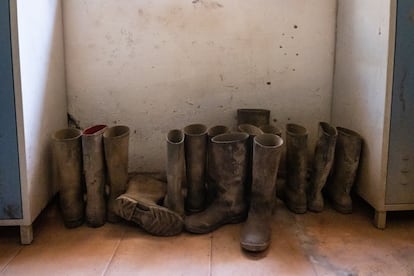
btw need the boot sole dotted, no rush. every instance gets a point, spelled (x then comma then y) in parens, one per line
(254, 247)
(156, 220)
(341, 209)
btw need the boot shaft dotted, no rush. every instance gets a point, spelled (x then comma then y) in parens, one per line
(296, 156)
(175, 171)
(346, 162)
(324, 151)
(116, 143)
(67, 155)
(195, 145)
(272, 129)
(229, 155)
(266, 156)
(95, 174)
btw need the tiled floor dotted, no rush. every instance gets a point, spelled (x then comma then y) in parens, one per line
(311, 244)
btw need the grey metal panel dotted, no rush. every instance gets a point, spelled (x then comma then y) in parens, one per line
(10, 194)
(400, 178)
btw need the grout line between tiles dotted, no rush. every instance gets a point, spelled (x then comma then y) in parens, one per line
(11, 259)
(113, 254)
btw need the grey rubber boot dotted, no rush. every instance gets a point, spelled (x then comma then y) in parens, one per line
(67, 155)
(195, 160)
(175, 171)
(253, 131)
(294, 194)
(322, 164)
(253, 116)
(141, 205)
(116, 143)
(256, 232)
(272, 129)
(229, 153)
(344, 171)
(95, 175)
(211, 185)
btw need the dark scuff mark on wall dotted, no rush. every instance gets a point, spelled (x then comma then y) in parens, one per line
(72, 122)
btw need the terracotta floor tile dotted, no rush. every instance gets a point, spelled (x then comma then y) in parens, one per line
(142, 254)
(60, 251)
(9, 245)
(284, 256)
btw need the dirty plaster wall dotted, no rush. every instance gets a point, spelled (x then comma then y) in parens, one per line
(158, 65)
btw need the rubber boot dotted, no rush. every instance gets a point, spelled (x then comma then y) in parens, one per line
(67, 153)
(116, 142)
(322, 164)
(175, 171)
(195, 160)
(229, 153)
(211, 186)
(94, 171)
(272, 129)
(296, 166)
(141, 205)
(346, 163)
(253, 131)
(256, 232)
(253, 116)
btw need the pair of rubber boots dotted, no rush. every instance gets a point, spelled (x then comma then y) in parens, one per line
(102, 154)
(337, 149)
(143, 202)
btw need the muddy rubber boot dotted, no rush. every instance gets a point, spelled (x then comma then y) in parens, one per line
(175, 171)
(253, 131)
(253, 116)
(141, 205)
(211, 185)
(195, 160)
(272, 129)
(256, 232)
(229, 153)
(116, 142)
(322, 164)
(344, 171)
(95, 175)
(67, 155)
(294, 194)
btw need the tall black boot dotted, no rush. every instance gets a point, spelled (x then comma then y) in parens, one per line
(67, 154)
(94, 170)
(195, 160)
(229, 154)
(116, 143)
(296, 166)
(322, 164)
(256, 232)
(346, 163)
(175, 171)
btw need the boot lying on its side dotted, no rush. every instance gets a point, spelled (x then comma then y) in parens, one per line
(141, 205)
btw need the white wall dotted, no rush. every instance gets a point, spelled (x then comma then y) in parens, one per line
(362, 85)
(40, 95)
(158, 65)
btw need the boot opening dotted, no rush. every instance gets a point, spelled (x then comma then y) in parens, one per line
(272, 129)
(93, 129)
(296, 130)
(67, 134)
(230, 137)
(195, 129)
(269, 140)
(328, 129)
(250, 129)
(175, 136)
(216, 130)
(116, 131)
